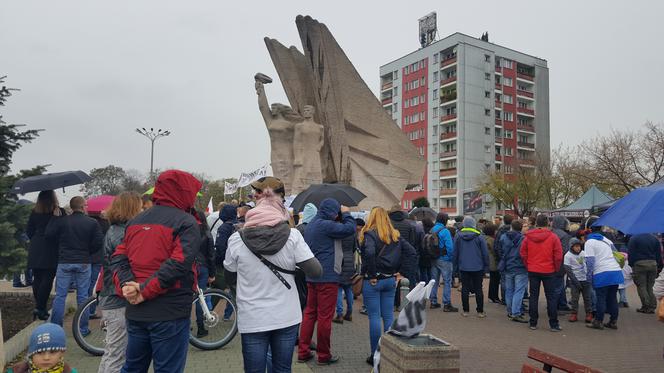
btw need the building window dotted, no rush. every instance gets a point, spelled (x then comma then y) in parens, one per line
(497, 166)
(435, 76)
(487, 76)
(507, 82)
(508, 116)
(423, 99)
(487, 130)
(422, 115)
(394, 108)
(434, 94)
(508, 99)
(487, 149)
(508, 169)
(435, 112)
(416, 101)
(395, 91)
(406, 104)
(506, 63)
(423, 81)
(509, 134)
(435, 58)
(396, 74)
(487, 112)
(434, 150)
(508, 151)
(487, 94)
(406, 120)
(487, 58)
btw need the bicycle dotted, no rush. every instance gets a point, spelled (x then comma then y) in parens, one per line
(212, 302)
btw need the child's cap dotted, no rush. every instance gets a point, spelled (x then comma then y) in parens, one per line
(47, 337)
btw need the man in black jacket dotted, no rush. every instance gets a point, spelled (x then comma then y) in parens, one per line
(405, 228)
(79, 239)
(645, 256)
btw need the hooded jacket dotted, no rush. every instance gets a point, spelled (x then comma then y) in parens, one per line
(386, 260)
(470, 251)
(159, 251)
(228, 215)
(541, 251)
(444, 240)
(407, 230)
(510, 260)
(309, 212)
(206, 254)
(321, 234)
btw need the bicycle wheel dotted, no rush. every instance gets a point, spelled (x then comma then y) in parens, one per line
(220, 329)
(92, 341)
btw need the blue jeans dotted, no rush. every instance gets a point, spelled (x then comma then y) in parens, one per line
(348, 289)
(623, 295)
(379, 300)
(94, 273)
(515, 286)
(442, 268)
(607, 302)
(79, 274)
(203, 275)
(562, 294)
(281, 344)
(163, 343)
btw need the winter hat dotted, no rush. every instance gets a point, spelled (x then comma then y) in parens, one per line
(469, 222)
(47, 337)
(309, 212)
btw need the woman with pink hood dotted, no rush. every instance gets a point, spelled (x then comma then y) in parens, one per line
(263, 255)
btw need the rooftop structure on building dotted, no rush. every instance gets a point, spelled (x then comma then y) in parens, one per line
(471, 107)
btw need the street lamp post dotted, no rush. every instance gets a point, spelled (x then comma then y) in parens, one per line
(152, 136)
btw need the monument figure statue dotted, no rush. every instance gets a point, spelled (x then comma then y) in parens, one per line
(307, 144)
(280, 122)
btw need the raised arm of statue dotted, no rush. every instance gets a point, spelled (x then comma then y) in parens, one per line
(263, 106)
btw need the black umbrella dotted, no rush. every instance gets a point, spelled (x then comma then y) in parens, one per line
(49, 181)
(419, 213)
(316, 193)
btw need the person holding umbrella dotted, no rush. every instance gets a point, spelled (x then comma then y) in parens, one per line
(332, 223)
(42, 252)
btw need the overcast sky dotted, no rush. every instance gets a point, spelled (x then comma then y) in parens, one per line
(90, 72)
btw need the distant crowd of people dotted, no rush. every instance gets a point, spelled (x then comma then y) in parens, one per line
(290, 274)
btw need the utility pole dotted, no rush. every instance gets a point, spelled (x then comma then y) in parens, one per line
(152, 136)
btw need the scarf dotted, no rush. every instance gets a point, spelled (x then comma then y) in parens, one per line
(58, 368)
(269, 211)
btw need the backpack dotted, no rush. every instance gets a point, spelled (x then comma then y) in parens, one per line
(431, 244)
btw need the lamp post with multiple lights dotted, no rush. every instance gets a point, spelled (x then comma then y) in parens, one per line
(152, 136)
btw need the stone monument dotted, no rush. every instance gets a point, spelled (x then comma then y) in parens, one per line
(361, 145)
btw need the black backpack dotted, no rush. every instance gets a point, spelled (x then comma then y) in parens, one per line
(431, 244)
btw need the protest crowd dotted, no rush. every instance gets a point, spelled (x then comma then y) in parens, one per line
(295, 274)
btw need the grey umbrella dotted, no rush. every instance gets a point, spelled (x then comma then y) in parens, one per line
(316, 193)
(419, 213)
(49, 181)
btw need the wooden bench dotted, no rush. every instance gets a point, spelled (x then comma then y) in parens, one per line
(551, 361)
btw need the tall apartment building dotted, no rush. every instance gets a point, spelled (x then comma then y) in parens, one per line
(469, 106)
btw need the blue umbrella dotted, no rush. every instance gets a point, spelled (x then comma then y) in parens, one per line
(641, 211)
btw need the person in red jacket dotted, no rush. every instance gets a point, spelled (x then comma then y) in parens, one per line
(154, 269)
(542, 254)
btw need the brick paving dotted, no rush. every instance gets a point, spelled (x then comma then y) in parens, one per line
(494, 344)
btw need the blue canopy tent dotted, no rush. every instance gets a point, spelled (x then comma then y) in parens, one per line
(582, 206)
(641, 211)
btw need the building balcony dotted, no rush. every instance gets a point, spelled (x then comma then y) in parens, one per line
(447, 97)
(449, 154)
(525, 93)
(524, 110)
(448, 81)
(448, 61)
(525, 127)
(448, 210)
(386, 86)
(499, 140)
(448, 192)
(499, 158)
(527, 162)
(527, 145)
(448, 172)
(499, 122)
(448, 118)
(527, 77)
(498, 104)
(499, 87)
(499, 70)
(387, 101)
(447, 135)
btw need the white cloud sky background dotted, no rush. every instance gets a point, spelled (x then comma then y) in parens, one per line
(91, 72)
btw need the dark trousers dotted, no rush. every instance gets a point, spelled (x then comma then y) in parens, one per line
(644, 274)
(607, 302)
(162, 343)
(551, 292)
(472, 281)
(41, 286)
(562, 295)
(586, 291)
(494, 282)
(17, 278)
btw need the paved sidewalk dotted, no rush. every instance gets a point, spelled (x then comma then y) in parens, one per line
(494, 344)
